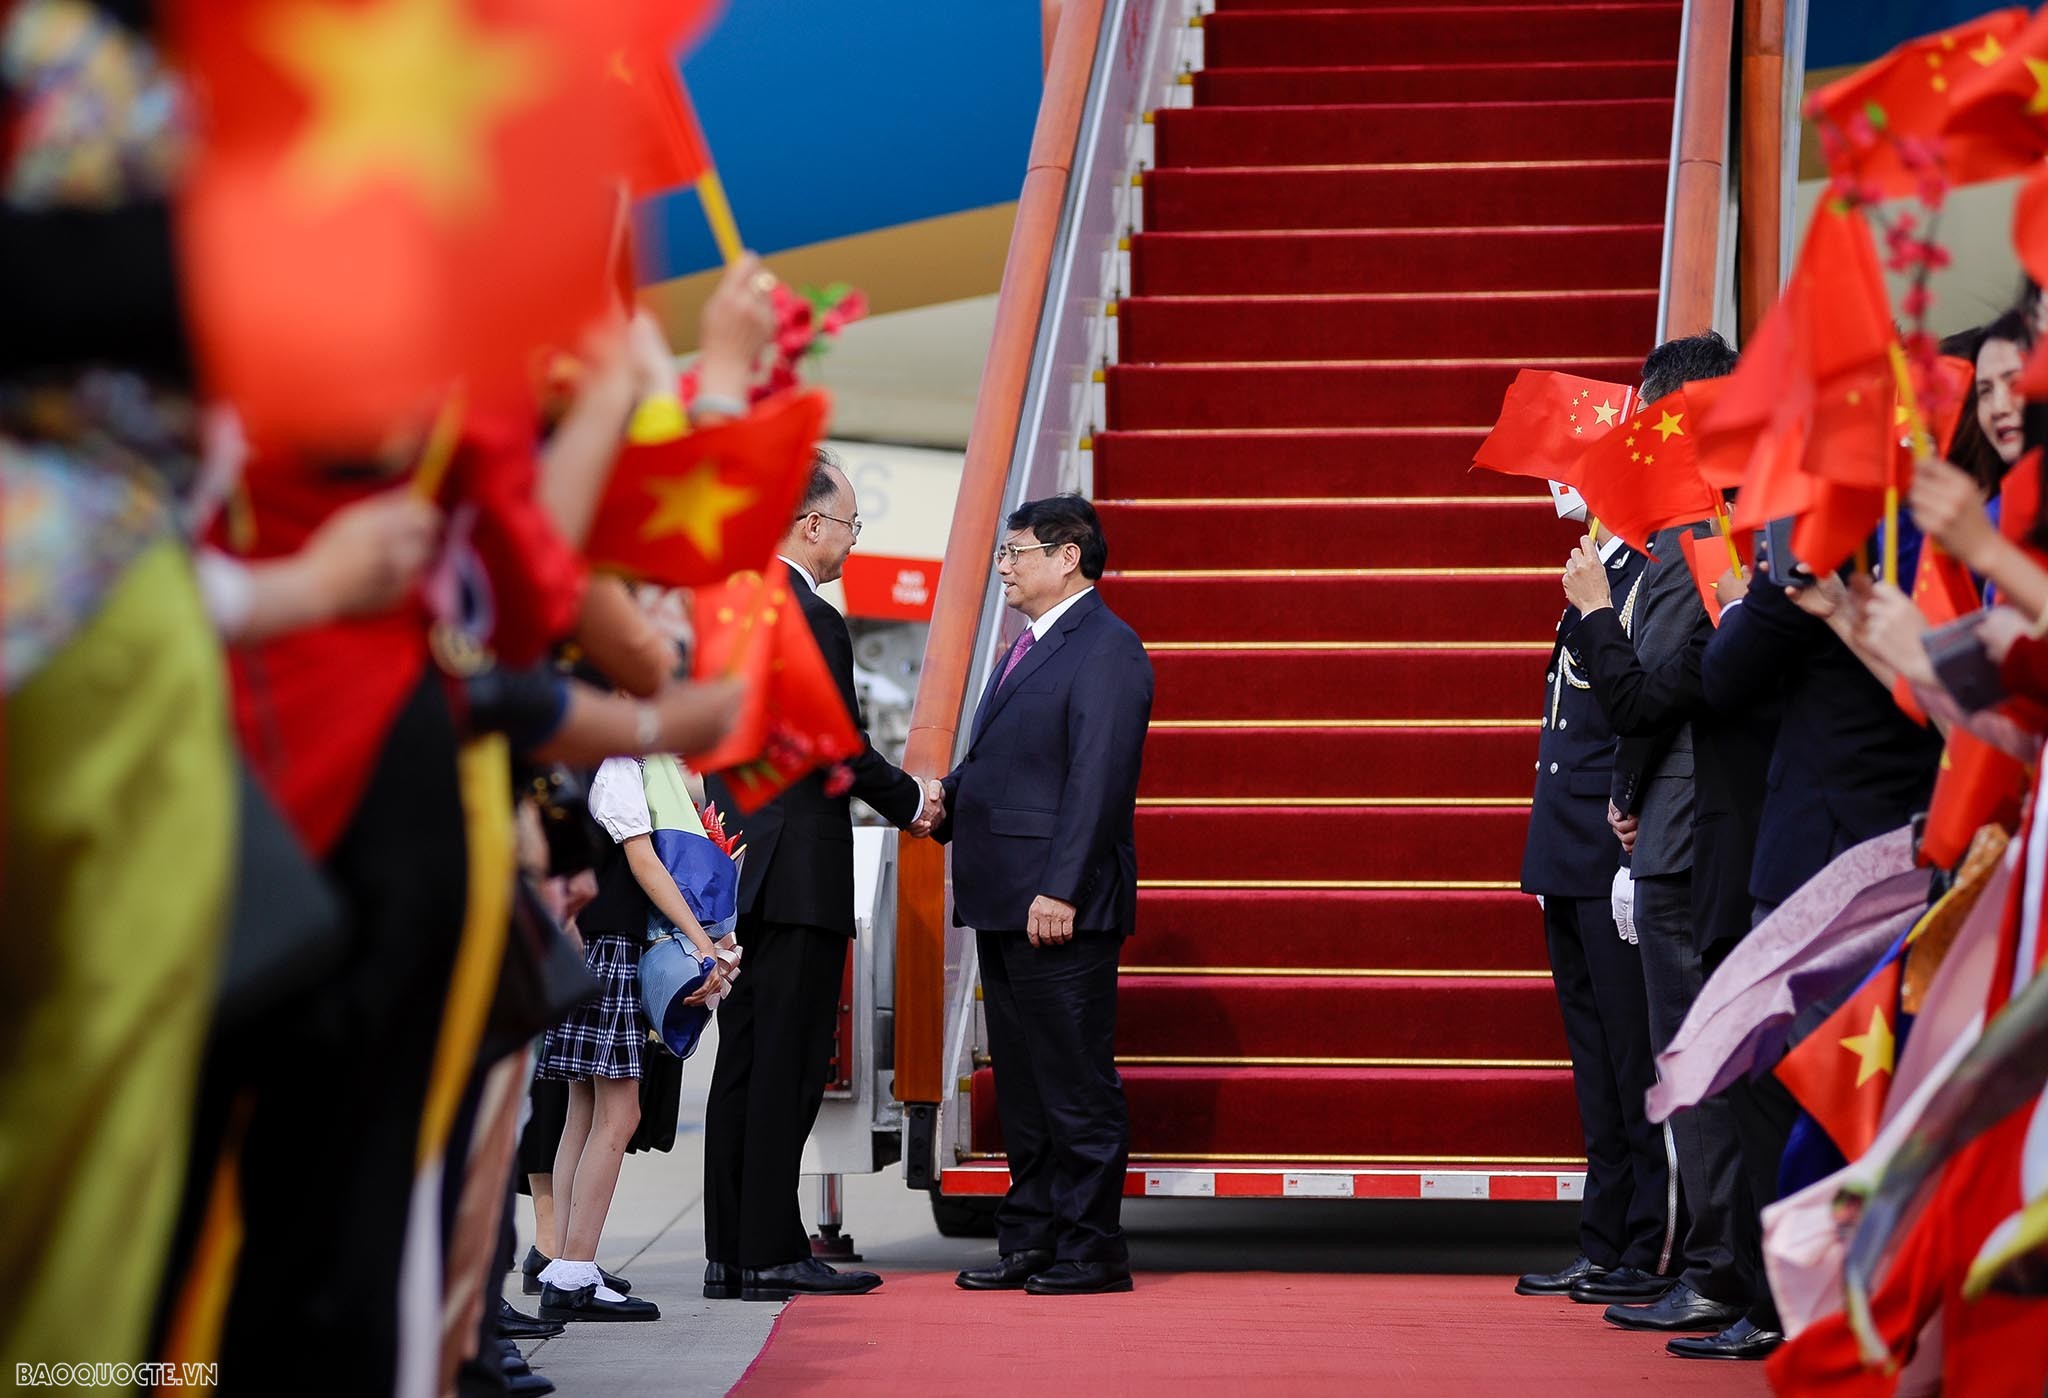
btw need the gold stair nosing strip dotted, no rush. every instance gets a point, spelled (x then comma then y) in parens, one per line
(1522, 294)
(1322, 502)
(1211, 574)
(1628, 162)
(1521, 647)
(1139, 1162)
(1362, 802)
(1461, 362)
(1435, 230)
(1259, 1061)
(1388, 431)
(1345, 723)
(1387, 885)
(1331, 973)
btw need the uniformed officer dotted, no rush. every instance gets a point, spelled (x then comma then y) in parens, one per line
(1628, 1224)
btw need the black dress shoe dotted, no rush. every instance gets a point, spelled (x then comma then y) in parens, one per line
(583, 1304)
(1579, 1269)
(1629, 1284)
(1010, 1273)
(1680, 1308)
(514, 1364)
(528, 1385)
(1742, 1340)
(721, 1282)
(808, 1277)
(517, 1325)
(536, 1261)
(1080, 1279)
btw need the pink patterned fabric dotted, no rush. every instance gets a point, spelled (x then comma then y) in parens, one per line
(1017, 653)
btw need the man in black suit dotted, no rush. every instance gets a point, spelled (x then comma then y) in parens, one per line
(1041, 814)
(796, 918)
(1628, 1222)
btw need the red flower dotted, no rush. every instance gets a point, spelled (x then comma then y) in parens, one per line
(849, 308)
(1915, 302)
(839, 780)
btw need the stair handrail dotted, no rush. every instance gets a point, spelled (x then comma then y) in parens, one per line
(919, 1026)
(1715, 276)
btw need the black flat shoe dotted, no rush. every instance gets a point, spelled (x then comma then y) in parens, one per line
(1742, 1340)
(1626, 1284)
(1010, 1273)
(517, 1325)
(530, 1270)
(583, 1304)
(1579, 1269)
(721, 1282)
(1080, 1279)
(1680, 1308)
(809, 1277)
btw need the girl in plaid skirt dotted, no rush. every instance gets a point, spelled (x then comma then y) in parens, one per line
(597, 1049)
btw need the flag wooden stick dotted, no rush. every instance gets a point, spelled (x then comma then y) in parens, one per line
(439, 451)
(1916, 429)
(718, 213)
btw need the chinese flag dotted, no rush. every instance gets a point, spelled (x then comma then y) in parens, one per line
(1842, 1070)
(1978, 784)
(711, 503)
(1998, 116)
(1943, 590)
(1909, 93)
(2019, 498)
(793, 720)
(1645, 476)
(1547, 420)
(1707, 559)
(391, 197)
(664, 147)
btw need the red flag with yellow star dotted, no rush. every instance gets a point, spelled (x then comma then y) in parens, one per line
(1547, 420)
(665, 146)
(1645, 475)
(1841, 1071)
(793, 720)
(709, 503)
(1908, 95)
(2000, 113)
(392, 197)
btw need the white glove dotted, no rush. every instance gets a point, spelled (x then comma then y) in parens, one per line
(1540, 906)
(1624, 902)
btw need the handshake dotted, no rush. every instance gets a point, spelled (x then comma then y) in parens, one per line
(934, 813)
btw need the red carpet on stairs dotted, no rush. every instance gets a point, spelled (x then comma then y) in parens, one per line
(1242, 1333)
(1373, 214)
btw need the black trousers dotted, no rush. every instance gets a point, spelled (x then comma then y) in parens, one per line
(774, 1045)
(1630, 1214)
(1052, 1031)
(328, 1163)
(1709, 1159)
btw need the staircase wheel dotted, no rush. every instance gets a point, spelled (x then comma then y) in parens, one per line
(963, 1218)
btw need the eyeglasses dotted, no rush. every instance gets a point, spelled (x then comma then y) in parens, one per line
(853, 524)
(1013, 551)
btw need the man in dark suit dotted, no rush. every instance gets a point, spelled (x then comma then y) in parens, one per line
(1041, 814)
(1628, 1224)
(796, 918)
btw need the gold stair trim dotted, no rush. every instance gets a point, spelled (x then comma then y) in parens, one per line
(1344, 723)
(1217, 1061)
(1521, 647)
(1324, 502)
(1427, 885)
(1331, 973)
(1465, 362)
(1364, 802)
(1543, 571)
(1624, 162)
(1139, 1162)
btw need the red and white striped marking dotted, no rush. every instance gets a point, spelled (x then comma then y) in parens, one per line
(1254, 1183)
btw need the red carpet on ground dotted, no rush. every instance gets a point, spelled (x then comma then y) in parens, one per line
(1243, 1333)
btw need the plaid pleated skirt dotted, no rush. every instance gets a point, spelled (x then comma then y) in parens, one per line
(603, 1037)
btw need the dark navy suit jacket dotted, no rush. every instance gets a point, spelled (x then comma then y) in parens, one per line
(1045, 802)
(1571, 853)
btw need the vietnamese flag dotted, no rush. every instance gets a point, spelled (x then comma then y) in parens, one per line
(1547, 420)
(391, 197)
(1842, 1071)
(1998, 116)
(794, 719)
(707, 504)
(1644, 476)
(1909, 94)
